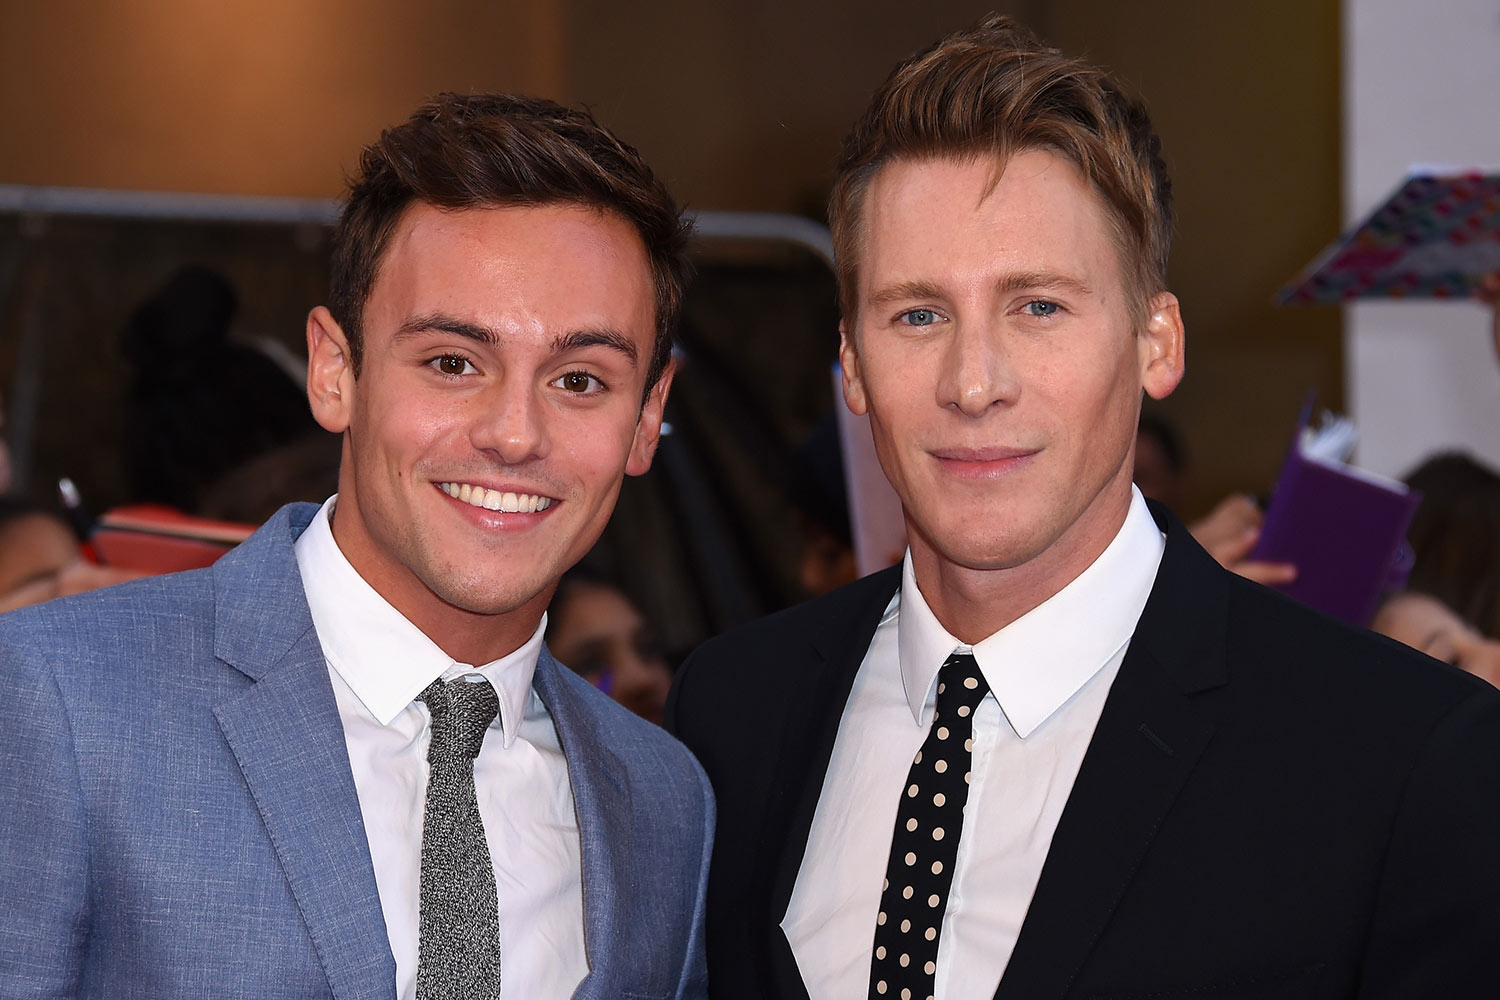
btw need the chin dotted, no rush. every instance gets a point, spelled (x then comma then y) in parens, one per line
(484, 597)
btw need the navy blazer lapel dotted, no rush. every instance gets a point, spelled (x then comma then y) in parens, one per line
(601, 796)
(807, 747)
(286, 736)
(1149, 738)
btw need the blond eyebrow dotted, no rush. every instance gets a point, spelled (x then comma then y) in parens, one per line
(905, 291)
(490, 337)
(1022, 280)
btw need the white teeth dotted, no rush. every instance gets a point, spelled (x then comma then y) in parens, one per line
(505, 502)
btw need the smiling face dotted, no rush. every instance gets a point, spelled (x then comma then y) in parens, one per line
(1002, 371)
(497, 407)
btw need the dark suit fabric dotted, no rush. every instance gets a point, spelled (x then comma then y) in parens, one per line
(1272, 805)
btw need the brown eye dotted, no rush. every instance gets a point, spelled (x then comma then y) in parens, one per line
(452, 364)
(578, 382)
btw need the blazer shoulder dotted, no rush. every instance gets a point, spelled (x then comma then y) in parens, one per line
(833, 616)
(1273, 628)
(773, 665)
(1208, 626)
(112, 617)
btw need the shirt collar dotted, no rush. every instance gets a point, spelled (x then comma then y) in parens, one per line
(1038, 662)
(385, 659)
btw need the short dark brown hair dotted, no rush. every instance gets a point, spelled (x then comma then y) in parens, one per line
(488, 150)
(995, 90)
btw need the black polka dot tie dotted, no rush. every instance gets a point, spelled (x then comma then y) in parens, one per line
(925, 844)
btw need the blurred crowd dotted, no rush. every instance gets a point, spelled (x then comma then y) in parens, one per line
(217, 427)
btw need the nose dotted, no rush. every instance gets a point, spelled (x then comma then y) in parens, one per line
(509, 422)
(977, 371)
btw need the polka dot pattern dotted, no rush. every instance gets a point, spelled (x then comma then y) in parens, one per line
(929, 822)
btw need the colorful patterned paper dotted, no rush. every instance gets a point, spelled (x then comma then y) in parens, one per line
(1436, 236)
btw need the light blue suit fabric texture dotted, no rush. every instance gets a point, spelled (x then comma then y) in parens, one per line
(178, 817)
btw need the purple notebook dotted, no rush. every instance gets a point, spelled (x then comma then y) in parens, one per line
(1343, 528)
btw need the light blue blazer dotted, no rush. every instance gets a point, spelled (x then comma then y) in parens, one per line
(178, 817)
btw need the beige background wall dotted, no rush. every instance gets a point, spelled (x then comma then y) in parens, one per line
(739, 106)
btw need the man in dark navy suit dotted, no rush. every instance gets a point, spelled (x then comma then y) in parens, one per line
(1059, 751)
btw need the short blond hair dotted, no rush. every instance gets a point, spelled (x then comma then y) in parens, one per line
(995, 90)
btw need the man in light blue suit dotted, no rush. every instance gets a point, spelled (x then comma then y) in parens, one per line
(340, 762)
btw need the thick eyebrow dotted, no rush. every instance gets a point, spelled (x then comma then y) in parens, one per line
(612, 339)
(573, 341)
(438, 322)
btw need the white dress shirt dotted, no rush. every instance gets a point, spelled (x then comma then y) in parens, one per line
(379, 662)
(1049, 672)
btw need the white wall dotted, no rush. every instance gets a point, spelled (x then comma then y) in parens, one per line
(1421, 85)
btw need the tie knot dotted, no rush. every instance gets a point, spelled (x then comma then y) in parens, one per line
(961, 687)
(461, 712)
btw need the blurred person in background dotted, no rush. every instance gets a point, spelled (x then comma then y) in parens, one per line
(202, 406)
(40, 558)
(1455, 538)
(5, 469)
(595, 629)
(1427, 624)
(1229, 531)
(821, 498)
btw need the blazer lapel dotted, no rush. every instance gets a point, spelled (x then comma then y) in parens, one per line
(1149, 738)
(838, 650)
(286, 735)
(601, 796)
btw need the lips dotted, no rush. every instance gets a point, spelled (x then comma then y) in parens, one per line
(982, 463)
(504, 501)
(986, 454)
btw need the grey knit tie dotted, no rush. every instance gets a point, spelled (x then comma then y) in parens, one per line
(458, 950)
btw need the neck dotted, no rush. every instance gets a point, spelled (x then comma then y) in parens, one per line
(473, 638)
(975, 602)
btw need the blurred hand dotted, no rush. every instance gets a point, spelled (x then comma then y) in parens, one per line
(1229, 533)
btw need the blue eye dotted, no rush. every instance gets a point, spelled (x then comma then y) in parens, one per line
(1041, 307)
(920, 317)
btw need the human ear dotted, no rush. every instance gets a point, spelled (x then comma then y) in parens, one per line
(1162, 347)
(648, 424)
(330, 379)
(854, 385)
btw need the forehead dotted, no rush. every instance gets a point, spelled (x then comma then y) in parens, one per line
(550, 264)
(972, 216)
